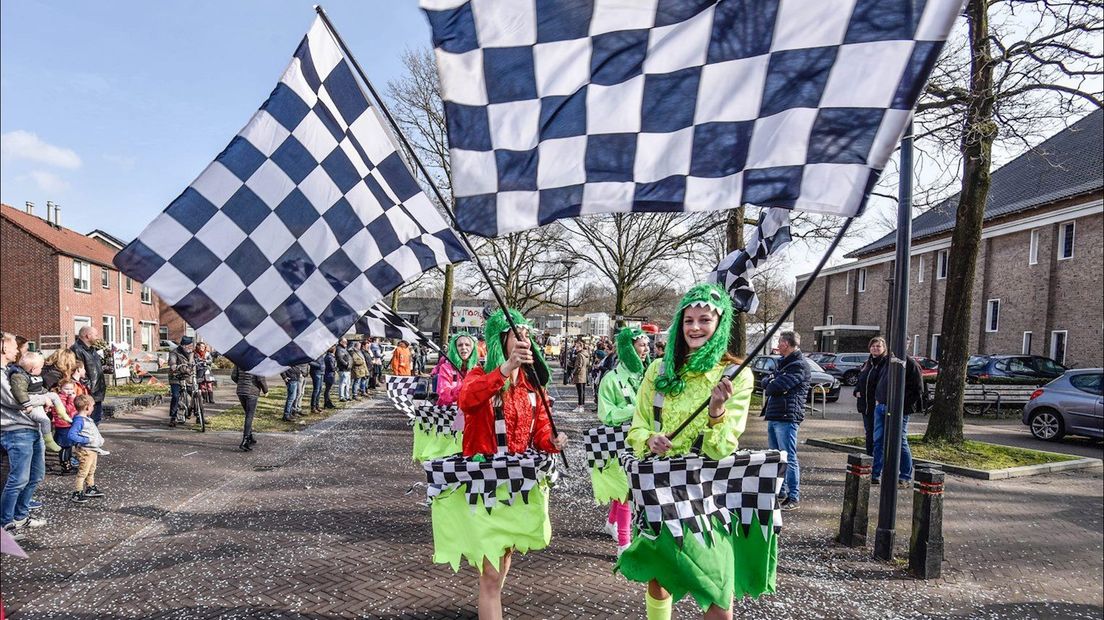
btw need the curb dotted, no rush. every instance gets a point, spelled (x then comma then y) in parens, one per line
(981, 474)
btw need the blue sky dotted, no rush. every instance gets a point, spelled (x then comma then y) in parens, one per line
(111, 109)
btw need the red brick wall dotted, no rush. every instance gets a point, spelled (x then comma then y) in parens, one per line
(28, 276)
(104, 301)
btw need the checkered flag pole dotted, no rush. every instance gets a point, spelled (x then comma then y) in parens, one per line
(381, 321)
(305, 220)
(684, 494)
(560, 109)
(734, 272)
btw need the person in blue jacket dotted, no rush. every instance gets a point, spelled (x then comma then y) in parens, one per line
(785, 390)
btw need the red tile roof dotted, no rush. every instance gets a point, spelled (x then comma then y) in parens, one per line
(61, 239)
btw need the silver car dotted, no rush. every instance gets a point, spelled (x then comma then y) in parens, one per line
(1071, 404)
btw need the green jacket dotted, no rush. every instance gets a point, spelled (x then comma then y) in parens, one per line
(718, 441)
(617, 396)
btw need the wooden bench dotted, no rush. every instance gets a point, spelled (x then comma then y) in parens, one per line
(983, 397)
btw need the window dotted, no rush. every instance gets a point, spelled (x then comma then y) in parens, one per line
(1065, 240)
(1026, 343)
(935, 346)
(129, 285)
(1090, 383)
(1033, 248)
(920, 270)
(108, 331)
(862, 281)
(916, 345)
(830, 320)
(147, 337)
(847, 283)
(1058, 346)
(82, 273)
(992, 315)
(105, 278)
(164, 333)
(941, 265)
(128, 332)
(147, 295)
(79, 322)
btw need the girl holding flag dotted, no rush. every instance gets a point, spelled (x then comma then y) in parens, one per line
(672, 390)
(449, 374)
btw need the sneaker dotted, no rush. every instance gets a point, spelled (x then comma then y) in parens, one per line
(78, 498)
(99, 451)
(35, 505)
(16, 529)
(251, 441)
(74, 462)
(904, 484)
(621, 549)
(92, 491)
(33, 522)
(875, 481)
(789, 505)
(579, 409)
(611, 529)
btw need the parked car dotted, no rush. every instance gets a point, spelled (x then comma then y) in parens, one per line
(1012, 369)
(763, 365)
(1072, 404)
(820, 358)
(167, 345)
(928, 366)
(845, 366)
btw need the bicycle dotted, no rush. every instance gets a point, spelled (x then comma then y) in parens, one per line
(191, 404)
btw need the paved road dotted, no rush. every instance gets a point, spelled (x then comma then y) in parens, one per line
(325, 524)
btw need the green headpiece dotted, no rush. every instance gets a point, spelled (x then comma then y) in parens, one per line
(710, 296)
(454, 356)
(493, 330)
(626, 353)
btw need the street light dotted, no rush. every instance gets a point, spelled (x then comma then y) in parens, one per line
(567, 302)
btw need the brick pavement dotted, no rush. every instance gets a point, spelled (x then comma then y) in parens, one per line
(320, 524)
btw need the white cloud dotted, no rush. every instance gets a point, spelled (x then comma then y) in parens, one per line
(48, 181)
(19, 144)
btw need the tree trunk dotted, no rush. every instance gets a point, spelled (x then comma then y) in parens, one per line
(395, 300)
(619, 306)
(446, 304)
(977, 143)
(734, 240)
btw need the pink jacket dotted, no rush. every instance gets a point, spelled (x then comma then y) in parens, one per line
(448, 389)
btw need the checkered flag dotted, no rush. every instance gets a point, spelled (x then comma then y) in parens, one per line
(603, 444)
(436, 418)
(561, 109)
(520, 472)
(381, 321)
(303, 222)
(400, 391)
(683, 494)
(735, 271)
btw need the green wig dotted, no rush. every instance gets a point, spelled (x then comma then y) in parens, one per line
(626, 353)
(494, 330)
(454, 356)
(716, 299)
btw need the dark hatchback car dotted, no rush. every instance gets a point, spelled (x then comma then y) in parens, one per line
(766, 364)
(1025, 369)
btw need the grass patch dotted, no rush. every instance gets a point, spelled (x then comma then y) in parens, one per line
(269, 417)
(756, 404)
(972, 454)
(137, 389)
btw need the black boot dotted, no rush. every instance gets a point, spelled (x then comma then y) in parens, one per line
(245, 447)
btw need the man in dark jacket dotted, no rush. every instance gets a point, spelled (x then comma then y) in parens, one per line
(93, 368)
(181, 375)
(785, 390)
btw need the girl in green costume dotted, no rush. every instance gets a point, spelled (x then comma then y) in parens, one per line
(690, 372)
(616, 406)
(449, 372)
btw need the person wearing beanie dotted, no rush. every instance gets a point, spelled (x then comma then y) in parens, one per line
(507, 432)
(616, 406)
(449, 374)
(690, 373)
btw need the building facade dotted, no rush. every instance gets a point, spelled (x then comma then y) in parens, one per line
(54, 280)
(1038, 278)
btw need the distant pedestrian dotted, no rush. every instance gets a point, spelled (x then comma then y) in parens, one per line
(329, 375)
(344, 370)
(250, 387)
(316, 373)
(293, 381)
(914, 387)
(93, 368)
(360, 371)
(784, 409)
(580, 373)
(866, 384)
(401, 363)
(375, 361)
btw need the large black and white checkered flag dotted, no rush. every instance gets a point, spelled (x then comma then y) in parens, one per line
(303, 222)
(735, 271)
(381, 321)
(557, 109)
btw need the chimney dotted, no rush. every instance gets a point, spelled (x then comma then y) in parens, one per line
(30, 207)
(49, 212)
(57, 215)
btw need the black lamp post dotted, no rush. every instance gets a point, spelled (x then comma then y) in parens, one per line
(567, 302)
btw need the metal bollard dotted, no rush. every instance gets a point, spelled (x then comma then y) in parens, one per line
(854, 520)
(926, 543)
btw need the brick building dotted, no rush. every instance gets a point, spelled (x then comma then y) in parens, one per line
(1039, 274)
(54, 280)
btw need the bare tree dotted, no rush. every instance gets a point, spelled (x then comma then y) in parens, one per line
(772, 287)
(524, 266)
(1026, 67)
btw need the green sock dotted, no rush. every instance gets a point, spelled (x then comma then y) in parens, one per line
(658, 609)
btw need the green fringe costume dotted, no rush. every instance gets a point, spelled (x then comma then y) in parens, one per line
(729, 563)
(616, 405)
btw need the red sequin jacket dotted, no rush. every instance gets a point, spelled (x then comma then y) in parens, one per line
(519, 403)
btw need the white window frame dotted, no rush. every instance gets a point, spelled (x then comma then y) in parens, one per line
(108, 328)
(1054, 342)
(936, 340)
(82, 276)
(105, 278)
(146, 328)
(829, 320)
(920, 270)
(860, 280)
(1025, 348)
(1033, 247)
(847, 283)
(128, 331)
(992, 316)
(1072, 227)
(942, 262)
(79, 322)
(146, 294)
(916, 345)
(129, 285)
